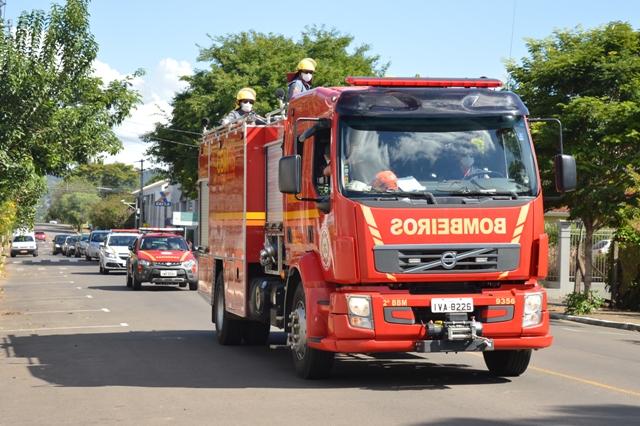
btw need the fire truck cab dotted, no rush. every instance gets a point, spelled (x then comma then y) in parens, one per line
(390, 215)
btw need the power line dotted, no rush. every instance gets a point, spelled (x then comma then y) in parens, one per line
(153, 138)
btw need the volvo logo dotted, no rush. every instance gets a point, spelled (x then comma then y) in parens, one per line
(449, 259)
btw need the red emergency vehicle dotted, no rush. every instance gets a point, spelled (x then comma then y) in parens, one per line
(394, 214)
(161, 256)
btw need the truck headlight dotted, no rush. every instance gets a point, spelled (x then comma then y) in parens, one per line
(532, 310)
(360, 311)
(144, 263)
(189, 264)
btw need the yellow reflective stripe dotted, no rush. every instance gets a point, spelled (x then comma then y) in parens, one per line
(239, 215)
(256, 215)
(184, 256)
(368, 216)
(524, 211)
(302, 214)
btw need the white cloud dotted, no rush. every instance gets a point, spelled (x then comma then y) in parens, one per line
(157, 88)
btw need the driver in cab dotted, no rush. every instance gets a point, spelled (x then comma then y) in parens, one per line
(466, 158)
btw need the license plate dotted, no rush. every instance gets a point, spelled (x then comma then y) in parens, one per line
(168, 273)
(460, 304)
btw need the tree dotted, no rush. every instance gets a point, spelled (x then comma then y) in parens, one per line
(110, 212)
(72, 200)
(591, 81)
(54, 113)
(117, 177)
(249, 59)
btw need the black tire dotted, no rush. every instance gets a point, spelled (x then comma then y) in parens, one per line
(193, 286)
(309, 363)
(509, 363)
(87, 258)
(77, 254)
(13, 254)
(135, 283)
(35, 253)
(228, 329)
(255, 333)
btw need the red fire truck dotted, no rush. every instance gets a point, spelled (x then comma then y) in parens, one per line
(389, 215)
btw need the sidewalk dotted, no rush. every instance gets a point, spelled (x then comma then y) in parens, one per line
(603, 317)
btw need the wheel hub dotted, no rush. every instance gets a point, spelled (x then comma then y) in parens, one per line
(298, 334)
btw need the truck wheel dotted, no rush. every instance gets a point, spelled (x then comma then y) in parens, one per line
(193, 285)
(309, 363)
(228, 329)
(255, 332)
(509, 363)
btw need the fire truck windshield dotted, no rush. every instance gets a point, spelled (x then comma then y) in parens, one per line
(469, 156)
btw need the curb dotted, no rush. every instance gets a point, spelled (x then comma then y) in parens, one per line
(594, 321)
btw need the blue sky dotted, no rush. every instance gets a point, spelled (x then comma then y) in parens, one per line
(431, 38)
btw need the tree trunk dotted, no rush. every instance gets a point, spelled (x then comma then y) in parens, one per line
(588, 256)
(579, 274)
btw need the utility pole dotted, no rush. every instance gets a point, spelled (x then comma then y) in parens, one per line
(140, 196)
(3, 4)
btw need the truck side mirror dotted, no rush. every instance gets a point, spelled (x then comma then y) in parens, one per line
(290, 174)
(565, 172)
(323, 123)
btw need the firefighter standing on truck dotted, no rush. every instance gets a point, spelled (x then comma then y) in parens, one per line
(245, 99)
(302, 80)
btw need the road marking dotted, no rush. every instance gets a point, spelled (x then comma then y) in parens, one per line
(41, 269)
(588, 382)
(79, 288)
(79, 327)
(66, 312)
(36, 299)
(576, 379)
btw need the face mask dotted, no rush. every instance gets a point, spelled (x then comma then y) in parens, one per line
(467, 161)
(306, 76)
(246, 106)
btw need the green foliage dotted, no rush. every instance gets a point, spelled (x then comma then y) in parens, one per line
(53, 112)
(119, 177)
(250, 59)
(591, 81)
(583, 303)
(110, 212)
(72, 200)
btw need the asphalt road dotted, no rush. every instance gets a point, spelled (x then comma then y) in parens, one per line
(80, 348)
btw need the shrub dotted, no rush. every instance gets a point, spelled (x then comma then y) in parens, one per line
(582, 303)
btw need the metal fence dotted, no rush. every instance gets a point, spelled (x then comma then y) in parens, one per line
(600, 247)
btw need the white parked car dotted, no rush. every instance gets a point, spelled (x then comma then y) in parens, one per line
(114, 252)
(24, 244)
(601, 247)
(93, 247)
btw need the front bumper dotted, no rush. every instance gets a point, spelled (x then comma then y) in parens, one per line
(114, 264)
(157, 274)
(17, 251)
(401, 323)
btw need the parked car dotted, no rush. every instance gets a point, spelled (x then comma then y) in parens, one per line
(41, 236)
(162, 258)
(57, 243)
(53, 222)
(93, 248)
(81, 245)
(24, 244)
(601, 247)
(114, 252)
(69, 245)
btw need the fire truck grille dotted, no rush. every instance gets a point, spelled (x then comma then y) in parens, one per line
(439, 259)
